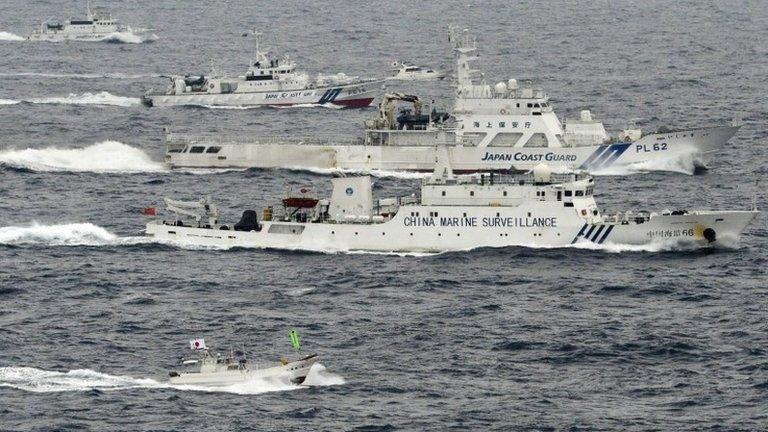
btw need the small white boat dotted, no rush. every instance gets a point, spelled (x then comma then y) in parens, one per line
(96, 27)
(402, 71)
(211, 369)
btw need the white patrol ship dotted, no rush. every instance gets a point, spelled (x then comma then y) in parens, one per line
(490, 128)
(269, 82)
(96, 27)
(210, 369)
(453, 213)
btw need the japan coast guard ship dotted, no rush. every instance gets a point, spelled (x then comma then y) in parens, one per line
(490, 128)
(95, 27)
(269, 82)
(453, 213)
(211, 369)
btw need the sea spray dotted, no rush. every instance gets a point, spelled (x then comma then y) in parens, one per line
(107, 156)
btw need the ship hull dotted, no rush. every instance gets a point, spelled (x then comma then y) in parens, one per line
(350, 95)
(83, 36)
(296, 372)
(461, 228)
(696, 143)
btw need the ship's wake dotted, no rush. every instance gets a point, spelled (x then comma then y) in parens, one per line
(73, 234)
(103, 157)
(43, 381)
(129, 38)
(101, 98)
(682, 163)
(10, 37)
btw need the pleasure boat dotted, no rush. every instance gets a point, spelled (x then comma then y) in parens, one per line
(268, 81)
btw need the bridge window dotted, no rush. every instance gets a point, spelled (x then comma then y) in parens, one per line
(568, 193)
(197, 149)
(579, 193)
(471, 193)
(537, 140)
(477, 124)
(213, 149)
(502, 124)
(443, 193)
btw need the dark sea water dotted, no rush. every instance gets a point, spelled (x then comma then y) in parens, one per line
(92, 315)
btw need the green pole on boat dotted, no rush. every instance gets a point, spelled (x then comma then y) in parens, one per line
(295, 340)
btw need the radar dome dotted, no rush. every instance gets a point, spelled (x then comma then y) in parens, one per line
(542, 173)
(500, 87)
(512, 84)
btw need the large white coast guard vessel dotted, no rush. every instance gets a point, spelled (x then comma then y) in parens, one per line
(491, 127)
(96, 27)
(269, 82)
(453, 213)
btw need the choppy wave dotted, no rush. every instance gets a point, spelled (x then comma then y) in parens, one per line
(10, 37)
(107, 156)
(42, 381)
(73, 234)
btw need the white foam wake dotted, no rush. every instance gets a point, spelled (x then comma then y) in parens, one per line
(73, 234)
(10, 37)
(682, 163)
(126, 38)
(8, 102)
(100, 98)
(43, 381)
(107, 156)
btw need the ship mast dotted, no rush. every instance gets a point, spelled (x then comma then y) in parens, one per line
(88, 13)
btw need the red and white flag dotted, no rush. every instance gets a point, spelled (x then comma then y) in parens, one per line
(197, 344)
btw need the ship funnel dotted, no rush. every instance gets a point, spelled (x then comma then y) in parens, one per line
(586, 116)
(542, 173)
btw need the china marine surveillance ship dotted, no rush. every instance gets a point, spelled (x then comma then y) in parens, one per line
(452, 213)
(268, 81)
(490, 128)
(213, 370)
(96, 27)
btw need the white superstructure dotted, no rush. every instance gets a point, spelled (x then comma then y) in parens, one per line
(267, 81)
(96, 27)
(453, 213)
(492, 127)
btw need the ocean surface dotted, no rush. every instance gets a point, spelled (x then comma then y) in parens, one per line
(93, 315)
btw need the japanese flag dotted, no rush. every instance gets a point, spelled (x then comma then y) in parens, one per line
(197, 344)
